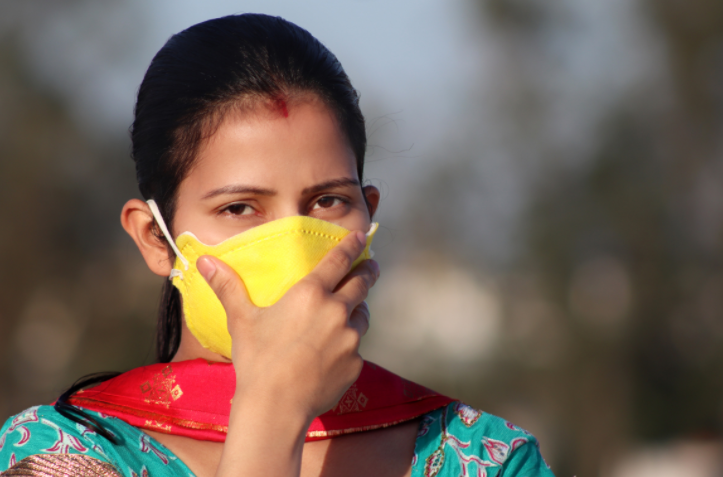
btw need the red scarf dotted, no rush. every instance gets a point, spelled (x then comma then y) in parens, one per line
(193, 399)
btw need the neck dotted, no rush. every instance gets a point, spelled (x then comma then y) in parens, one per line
(190, 348)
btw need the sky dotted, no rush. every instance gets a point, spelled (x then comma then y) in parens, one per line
(411, 60)
(438, 84)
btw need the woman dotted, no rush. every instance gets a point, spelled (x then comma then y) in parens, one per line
(249, 148)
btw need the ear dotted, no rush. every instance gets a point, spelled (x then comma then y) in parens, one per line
(138, 222)
(371, 195)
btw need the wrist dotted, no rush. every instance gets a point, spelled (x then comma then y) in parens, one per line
(267, 406)
(256, 420)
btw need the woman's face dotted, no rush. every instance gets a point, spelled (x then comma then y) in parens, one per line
(272, 163)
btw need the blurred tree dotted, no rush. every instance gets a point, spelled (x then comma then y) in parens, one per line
(614, 299)
(73, 297)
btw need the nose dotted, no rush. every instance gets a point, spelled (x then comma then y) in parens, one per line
(288, 208)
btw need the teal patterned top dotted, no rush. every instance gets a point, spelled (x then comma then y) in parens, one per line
(458, 440)
(42, 430)
(453, 441)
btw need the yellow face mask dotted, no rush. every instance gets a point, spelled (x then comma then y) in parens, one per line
(269, 258)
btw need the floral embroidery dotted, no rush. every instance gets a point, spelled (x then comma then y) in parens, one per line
(150, 424)
(434, 462)
(147, 447)
(65, 441)
(87, 434)
(144, 472)
(516, 428)
(467, 414)
(19, 424)
(518, 442)
(466, 460)
(41, 430)
(353, 400)
(28, 416)
(25, 436)
(497, 450)
(427, 421)
(162, 389)
(83, 430)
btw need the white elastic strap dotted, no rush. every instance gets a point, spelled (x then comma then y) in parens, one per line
(159, 220)
(175, 273)
(372, 229)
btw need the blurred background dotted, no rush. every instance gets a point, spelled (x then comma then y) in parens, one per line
(552, 213)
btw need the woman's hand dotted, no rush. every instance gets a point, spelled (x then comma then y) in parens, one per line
(294, 359)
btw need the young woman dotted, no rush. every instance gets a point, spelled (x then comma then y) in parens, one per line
(249, 149)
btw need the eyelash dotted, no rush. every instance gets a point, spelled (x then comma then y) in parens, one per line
(227, 209)
(343, 200)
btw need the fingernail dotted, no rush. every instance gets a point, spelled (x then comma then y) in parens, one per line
(206, 267)
(375, 267)
(362, 238)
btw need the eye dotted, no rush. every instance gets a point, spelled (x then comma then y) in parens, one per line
(238, 208)
(328, 201)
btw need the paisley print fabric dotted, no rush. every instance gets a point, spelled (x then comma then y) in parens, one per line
(41, 431)
(453, 441)
(458, 440)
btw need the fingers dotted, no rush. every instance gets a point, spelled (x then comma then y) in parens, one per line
(226, 284)
(337, 263)
(359, 319)
(356, 285)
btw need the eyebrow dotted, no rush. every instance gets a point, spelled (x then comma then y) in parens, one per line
(332, 184)
(243, 189)
(238, 189)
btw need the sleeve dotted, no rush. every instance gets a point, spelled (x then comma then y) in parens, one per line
(478, 443)
(526, 461)
(39, 441)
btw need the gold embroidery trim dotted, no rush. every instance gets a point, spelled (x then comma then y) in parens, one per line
(57, 465)
(352, 430)
(159, 418)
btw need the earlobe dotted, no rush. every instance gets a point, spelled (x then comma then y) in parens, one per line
(137, 220)
(371, 196)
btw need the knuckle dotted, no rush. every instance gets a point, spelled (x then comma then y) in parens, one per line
(340, 259)
(365, 284)
(352, 340)
(360, 321)
(340, 309)
(312, 290)
(224, 287)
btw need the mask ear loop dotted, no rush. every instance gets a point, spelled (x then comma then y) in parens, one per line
(159, 220)
(373, 228)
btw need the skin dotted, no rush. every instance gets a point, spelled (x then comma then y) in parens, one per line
(295, 359)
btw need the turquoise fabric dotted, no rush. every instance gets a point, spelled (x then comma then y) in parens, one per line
(42, 430)
(458, 440)
(453, 441)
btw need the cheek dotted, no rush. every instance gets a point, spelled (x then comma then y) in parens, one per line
(358, 219)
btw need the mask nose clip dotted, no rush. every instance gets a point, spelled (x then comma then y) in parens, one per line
(162, 224)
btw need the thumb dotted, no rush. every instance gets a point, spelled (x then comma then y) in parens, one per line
(226, 284)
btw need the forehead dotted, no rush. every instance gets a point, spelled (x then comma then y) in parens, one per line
(279, 144)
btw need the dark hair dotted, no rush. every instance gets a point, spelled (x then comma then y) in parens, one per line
(200, 75)
(196, 78)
